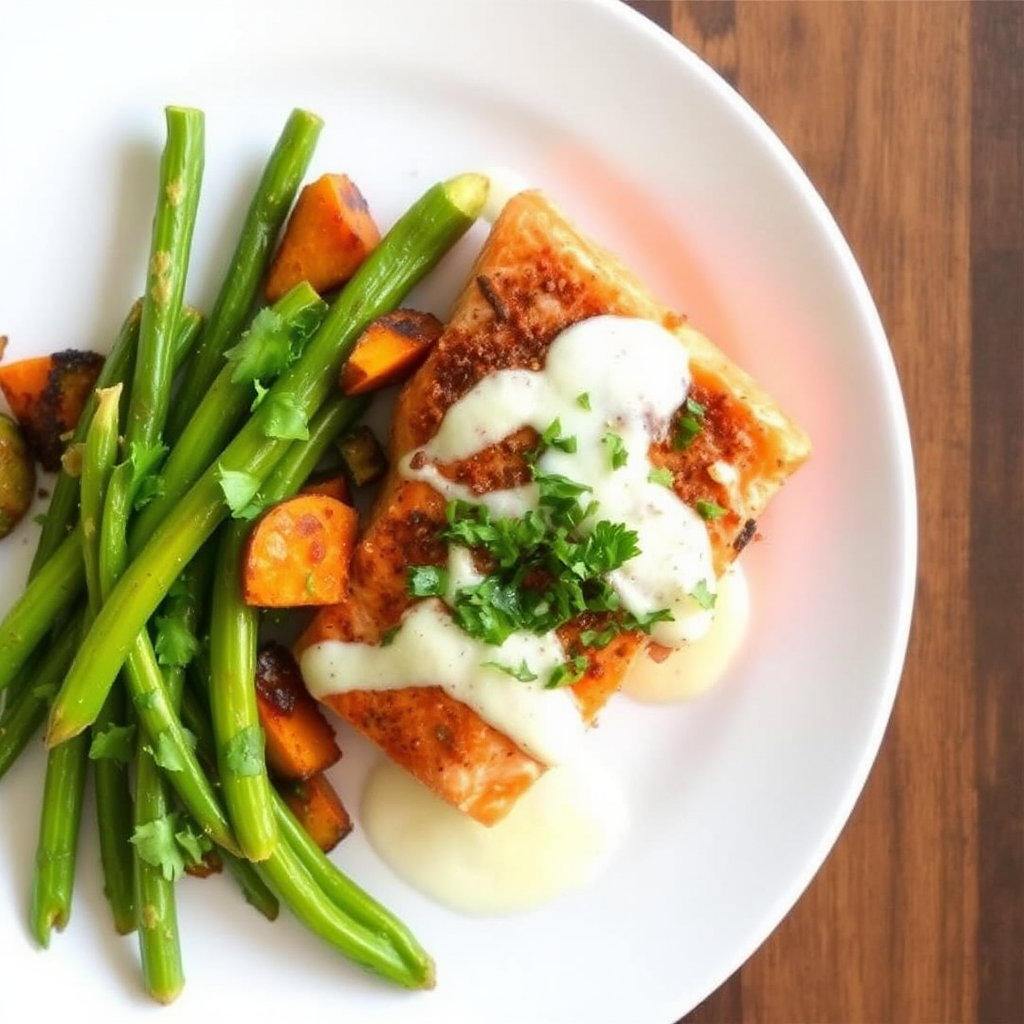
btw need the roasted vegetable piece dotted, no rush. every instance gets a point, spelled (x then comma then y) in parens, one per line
(389, 350)
(298, 553)
(17, 475)
(46, 395)
(316, 804)
(332, 486)
(299, 739)
(362, 456)
(329, 234)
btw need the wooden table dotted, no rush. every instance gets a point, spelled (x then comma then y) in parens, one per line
(909, 118)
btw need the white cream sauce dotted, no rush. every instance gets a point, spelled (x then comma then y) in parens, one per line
(431, 650)
(607, 378)
(559, 836)
(635, 375)
(695, 668)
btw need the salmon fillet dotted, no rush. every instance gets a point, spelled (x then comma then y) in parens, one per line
(535, 276)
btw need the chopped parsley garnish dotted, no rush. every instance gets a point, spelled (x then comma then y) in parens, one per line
(688, 424)
(285, 419)
(542, 569)
(271, 345)
(523, 673)
(583, 400)
(704, 597)
(243, 753)
(116, 742)
(176, 644)
(427, 581)
(709, 509)
(662, 475)
(552, 438)
(567, 673)
(169, 843)
(241, 493)
(146, 483)
(616, 449)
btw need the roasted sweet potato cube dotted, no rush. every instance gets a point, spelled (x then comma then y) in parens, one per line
(328, 235)
(298, 553)
(299, 740)
(389, 350)
(316, 804)
(46, 395)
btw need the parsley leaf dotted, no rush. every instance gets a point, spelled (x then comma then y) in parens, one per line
(709, 509)
(567, 673)
(264, 351)
(583, 400)
(427, 581)
(688, 424)
(145, 461)
(169, 843)
(167, 754)
(704, 597)
(156, 844)
(176, 645)
(261, 393)
(662, 475)
(243, 753)
(523, 673)
(116, 742)
(616, 449)
(241, 492)
(195, 844)
(285, 419)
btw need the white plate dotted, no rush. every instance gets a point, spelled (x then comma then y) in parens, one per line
(736, 799)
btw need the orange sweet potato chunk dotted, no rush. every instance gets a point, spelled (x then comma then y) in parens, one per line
(328, 235)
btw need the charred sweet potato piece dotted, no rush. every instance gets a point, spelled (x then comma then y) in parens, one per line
(46, 395)
(298, 553)
(299, 740)
(389, 350)
(329, 233)
(316, 804)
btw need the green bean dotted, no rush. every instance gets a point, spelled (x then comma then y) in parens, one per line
(114, 816)
(64, 788)
(287, 875)
(268, 209)
(195, 716)
(156, 907)
(256, 892)
(180, 180)
(24, 716)
(409, 251)
(349, 898)
(150, 696)
(113, 799)
(222, 409)
(54, 876)
(234, 629)
(54, 587)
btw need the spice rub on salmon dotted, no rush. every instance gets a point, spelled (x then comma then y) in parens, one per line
(731, 450)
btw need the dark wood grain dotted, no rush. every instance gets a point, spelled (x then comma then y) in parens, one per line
(909, 118)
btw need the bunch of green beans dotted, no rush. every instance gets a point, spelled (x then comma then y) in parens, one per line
(106, 562)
